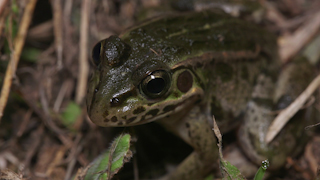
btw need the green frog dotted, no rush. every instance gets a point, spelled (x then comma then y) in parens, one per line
(182, 69)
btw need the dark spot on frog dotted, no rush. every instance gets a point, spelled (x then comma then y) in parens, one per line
(106, 113)
(124, 117)
(106, 120)
(224, 71)
(153, 112)
(120, 123)
(187, 125)
(114, 119)
(139, 110)
(184, 81)
(142, 118)
(169, 108)
(255, 119)
(131, 120)
(175, 94)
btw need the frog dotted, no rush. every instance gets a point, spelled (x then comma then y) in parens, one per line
(182, 69)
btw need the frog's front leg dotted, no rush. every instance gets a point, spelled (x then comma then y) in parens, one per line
(195, 129)
(267, 98)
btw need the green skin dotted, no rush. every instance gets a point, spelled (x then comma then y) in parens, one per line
(209, 64)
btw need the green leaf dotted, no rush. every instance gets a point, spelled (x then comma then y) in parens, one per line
(110, 162)
(229, 171)
(260, 173)
(70, 114)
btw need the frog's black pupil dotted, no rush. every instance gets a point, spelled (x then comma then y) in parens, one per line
(156, 85)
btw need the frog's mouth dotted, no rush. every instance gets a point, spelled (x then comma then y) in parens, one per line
(148, 113)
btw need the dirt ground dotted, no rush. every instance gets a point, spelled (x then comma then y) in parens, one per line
(45, 132)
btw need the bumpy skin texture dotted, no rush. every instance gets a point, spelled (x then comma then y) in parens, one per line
(192, 41)
(209, 64)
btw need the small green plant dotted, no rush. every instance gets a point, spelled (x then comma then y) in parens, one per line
(110, 162)
(260, 173)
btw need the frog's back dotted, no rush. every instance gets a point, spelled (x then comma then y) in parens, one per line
(181, 36)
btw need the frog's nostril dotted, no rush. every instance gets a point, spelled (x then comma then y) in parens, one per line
(115, 102)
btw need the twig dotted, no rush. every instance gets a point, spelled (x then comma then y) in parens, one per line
(3, 4)
(41, 31)
(83, 58)
(287, 113)
(64, 88)
(135, 168)
(68, 34)
(311, 126)
(3, 17)
(289, 46)
(217, 132)
(37, 137)
(311, 157)
(73, 153)
(56, 160)
(57, 24)
(73, 161)
(47, 120)
(13, 63)
(24, 123)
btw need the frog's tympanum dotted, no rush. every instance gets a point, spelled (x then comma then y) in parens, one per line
(182, 69)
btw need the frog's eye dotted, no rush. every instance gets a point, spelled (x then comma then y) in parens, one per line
(96, 54)
(156, 84)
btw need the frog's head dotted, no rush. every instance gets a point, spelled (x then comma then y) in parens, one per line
(131, 86)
